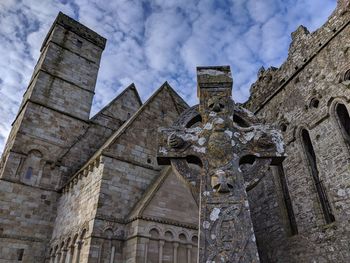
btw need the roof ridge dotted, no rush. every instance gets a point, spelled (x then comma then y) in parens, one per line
(120, 131)
(130, 87)
(174, 93)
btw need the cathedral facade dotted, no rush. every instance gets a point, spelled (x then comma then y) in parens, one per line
(80, 189)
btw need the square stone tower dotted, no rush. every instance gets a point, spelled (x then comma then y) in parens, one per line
(53, 115)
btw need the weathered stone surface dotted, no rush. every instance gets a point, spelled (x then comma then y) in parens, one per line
(315, 71)
(225, 139)
(53, 116)
(79, 189)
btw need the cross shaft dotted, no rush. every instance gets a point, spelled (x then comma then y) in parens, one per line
(234, 151)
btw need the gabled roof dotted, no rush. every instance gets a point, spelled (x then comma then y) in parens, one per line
(96, 134)
(165, 86)
(126, 125)
(149, 194)
(131, 87)
(167, 199)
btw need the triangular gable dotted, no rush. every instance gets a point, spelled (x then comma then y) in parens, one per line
(149, 193)
(121, 107)
(178, 105)
(137, 140)
(168, 198)
(143, 116)
(101, 127)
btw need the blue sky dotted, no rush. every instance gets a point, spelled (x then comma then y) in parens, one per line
(152, 41)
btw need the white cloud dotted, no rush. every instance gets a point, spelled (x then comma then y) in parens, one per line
(150, 42)
(165, 33)
(261, 10)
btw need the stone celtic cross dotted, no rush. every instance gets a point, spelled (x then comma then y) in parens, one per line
(234, 151)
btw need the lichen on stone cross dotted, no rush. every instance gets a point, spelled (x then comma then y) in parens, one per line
(234, 151)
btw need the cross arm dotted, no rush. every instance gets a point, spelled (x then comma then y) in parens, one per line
(262, 142)
(260, 147)
(179, 143)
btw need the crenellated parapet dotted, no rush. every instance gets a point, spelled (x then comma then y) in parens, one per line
(303, 49)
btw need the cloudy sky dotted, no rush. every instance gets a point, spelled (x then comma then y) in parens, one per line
(151, 41)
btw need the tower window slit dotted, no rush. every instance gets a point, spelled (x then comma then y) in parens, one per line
(311, 157)
(344, 121)
(79, 43)
(287, 201)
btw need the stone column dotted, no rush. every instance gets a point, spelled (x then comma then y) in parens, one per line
(189, 248)
(40, 172)
(77, 248)
(99, 253)
(74, 254)
(112, 254)
(63, 256)
(57, 257)
(175, 245)
(69, 255)
(161, 245)
(80, 243)
(145, 253)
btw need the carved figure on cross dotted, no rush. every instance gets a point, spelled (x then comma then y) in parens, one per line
(234, 150)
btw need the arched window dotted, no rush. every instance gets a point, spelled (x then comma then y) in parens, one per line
(108, 246)
(32, 167)
(343, 120)
(311, 157)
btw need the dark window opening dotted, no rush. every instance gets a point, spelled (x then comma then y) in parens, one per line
(311, 157)
(247, 159)
(283, 127)
(344, 120)
(240, 121)
(287, 201)
(245, 164)
(79, 43)
(29, 173)
(346, 77)
(20, 253)
(194, 160)
(314, 103)
(162, 113)
(194, 120)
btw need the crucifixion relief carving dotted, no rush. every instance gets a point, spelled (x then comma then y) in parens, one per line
(234, 150)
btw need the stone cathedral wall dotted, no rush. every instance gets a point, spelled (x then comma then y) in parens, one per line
(27, 217)
(90, 218)
(75, 215)
(303, 94)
